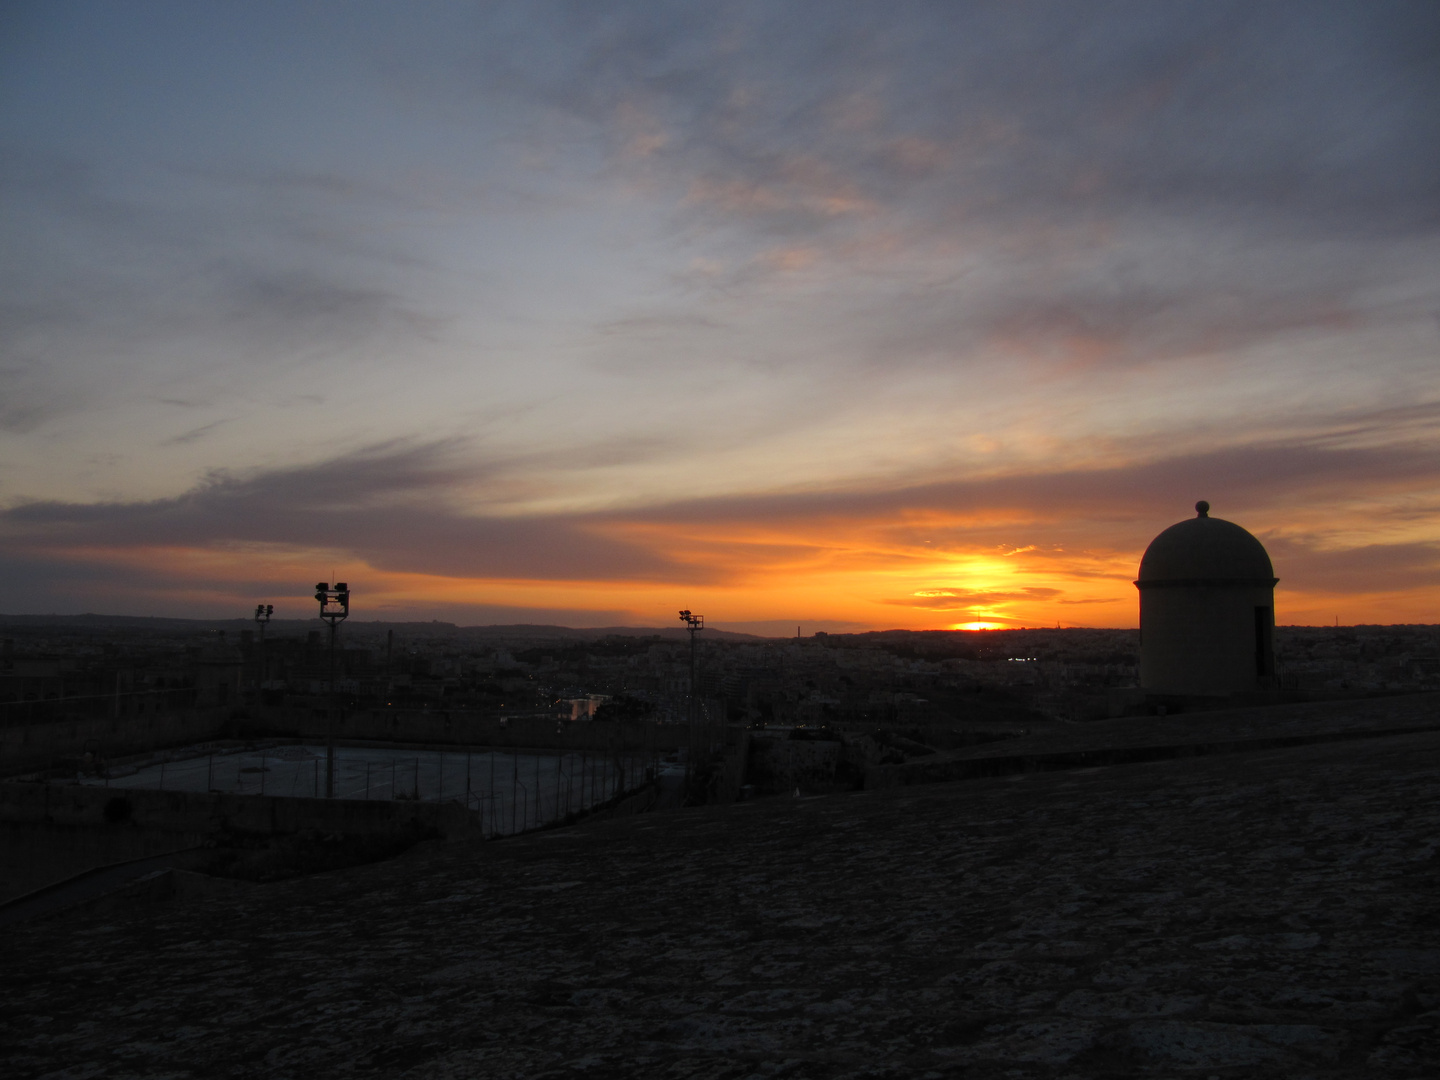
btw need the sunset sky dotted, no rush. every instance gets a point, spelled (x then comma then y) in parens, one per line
(839, 315)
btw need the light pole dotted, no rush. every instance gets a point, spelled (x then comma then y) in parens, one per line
(262, 618)
(693, 623)
(334, 607)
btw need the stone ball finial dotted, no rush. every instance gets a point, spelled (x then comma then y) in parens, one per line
(1202, 509)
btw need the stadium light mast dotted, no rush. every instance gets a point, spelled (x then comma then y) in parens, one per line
(334, 609)
(262, 619)
(694, 624)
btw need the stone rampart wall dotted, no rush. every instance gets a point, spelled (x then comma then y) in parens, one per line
(941, 769)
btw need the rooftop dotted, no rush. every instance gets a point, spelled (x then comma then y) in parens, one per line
(1203, 548)
(1272, 910)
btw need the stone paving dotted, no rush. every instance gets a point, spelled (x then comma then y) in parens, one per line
(1149, 738)
(1267, 914)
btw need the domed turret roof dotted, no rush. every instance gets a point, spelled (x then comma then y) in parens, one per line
(1205, 550)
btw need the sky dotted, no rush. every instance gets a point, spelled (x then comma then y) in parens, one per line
(828, 315)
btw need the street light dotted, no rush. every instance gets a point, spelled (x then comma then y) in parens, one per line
(334, 609)
(262, 618)
(694, 624)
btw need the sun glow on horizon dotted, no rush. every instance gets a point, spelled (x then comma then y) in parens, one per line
(872, 588)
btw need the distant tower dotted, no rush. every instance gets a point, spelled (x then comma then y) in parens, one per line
(1207, 610)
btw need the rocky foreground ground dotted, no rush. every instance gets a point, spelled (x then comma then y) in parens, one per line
(1271, 913)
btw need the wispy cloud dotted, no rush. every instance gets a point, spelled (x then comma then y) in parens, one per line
(393, 506)
(193, 435)
(968, 600)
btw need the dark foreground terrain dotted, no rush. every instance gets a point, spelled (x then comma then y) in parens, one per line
(1272, 913)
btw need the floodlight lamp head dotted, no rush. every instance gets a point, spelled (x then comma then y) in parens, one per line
(323, 586)
(340, 586)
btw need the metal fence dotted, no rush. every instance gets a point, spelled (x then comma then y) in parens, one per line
(510, 791)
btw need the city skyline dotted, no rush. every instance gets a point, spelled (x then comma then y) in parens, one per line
(841, 315)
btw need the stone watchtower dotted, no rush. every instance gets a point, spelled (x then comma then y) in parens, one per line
(1207, 610)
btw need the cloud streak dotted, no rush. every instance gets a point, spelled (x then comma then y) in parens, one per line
(388, 504)
(1035, 543)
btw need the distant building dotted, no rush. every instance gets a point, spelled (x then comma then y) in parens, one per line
(219, 671)
(1207, 610)
(584, 708)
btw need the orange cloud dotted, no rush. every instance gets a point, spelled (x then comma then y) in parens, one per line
(1007, 550)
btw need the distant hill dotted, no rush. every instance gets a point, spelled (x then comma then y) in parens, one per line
(515, 630)
(588, 633)
(922, 640)
(133, 622)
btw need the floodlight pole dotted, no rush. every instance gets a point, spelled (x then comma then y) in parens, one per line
(262, 619)
(334, 608)
(694, 624)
